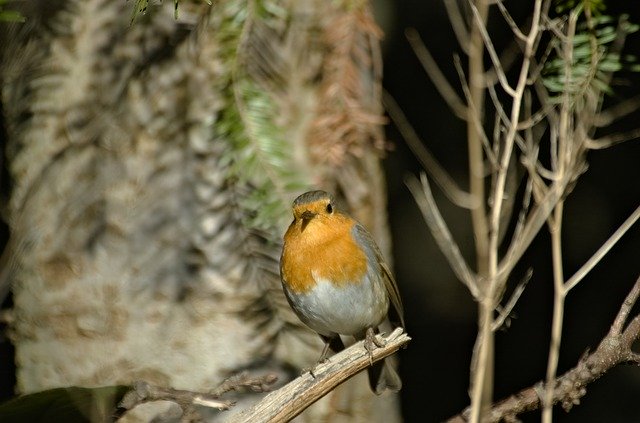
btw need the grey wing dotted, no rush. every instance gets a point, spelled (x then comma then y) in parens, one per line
(365, 238)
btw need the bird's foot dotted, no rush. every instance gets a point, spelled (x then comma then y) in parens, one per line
(311, 369)
(371, 343)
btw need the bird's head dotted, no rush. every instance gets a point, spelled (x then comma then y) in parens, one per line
(312, 205)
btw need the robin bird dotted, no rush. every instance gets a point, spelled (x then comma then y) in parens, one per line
(336, 280)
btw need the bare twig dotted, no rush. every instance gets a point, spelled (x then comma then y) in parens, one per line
(559, 294)
(508, 58)
(476, 137)
(439, 80)
(509, 142)
(457, 23)
(532, 226)
(512, 24)
(422, 194)
(617, 111)
(492, 52)
(290, 400)
(603, 250)
(449, 187)
(143, 392)
(625, 309)
(613, 139)
(474, 118)
(501, 114)
(515, 296)
(614, 349)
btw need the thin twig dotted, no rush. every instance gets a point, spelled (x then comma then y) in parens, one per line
(492, 52)
(503, 116)
(509, 142)
(448, 185)
(506, 156)
(143, 392)
(617, 111)
(602, 251)
(512, 24)
(613, 139)
(437, 77)
(625, 309)
(534, 222)
(515, 296)
(474, 114)
(458, 25)
(508, 58)
(423, 197)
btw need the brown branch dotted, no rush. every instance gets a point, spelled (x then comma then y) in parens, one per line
(142, 392)
(614, 349)
(279, 406)
(290, 400)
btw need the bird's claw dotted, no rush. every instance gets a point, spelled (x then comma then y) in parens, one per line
(311, 370)
(371, 342)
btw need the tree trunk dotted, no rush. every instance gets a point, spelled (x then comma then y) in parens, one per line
(152, 168)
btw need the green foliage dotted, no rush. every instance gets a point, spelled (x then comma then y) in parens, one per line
(139, 7)
(260, 158)
(593, 56)
(9, 15)
(594, 7)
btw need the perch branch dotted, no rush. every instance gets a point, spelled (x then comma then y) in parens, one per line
(290, 400)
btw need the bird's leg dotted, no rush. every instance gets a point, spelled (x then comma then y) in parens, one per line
(325, 351)
(371, 342)
(323, 357)
(332, 345)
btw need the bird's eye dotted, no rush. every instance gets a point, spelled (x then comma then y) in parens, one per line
(329, 208)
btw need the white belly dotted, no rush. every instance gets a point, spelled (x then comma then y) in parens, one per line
(345, 309)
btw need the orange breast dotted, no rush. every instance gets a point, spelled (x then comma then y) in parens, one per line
(326, 248)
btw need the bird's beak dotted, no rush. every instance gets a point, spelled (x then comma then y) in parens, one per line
(307, 215)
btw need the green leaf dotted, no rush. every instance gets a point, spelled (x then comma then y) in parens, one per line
(11, 16)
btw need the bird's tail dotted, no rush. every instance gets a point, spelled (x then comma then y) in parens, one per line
(382, 377)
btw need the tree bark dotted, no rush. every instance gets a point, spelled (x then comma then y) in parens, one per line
(152, 169)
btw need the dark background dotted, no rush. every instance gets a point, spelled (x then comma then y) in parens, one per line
(440, 313)
(441, 316)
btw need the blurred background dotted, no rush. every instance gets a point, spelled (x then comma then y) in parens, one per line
(440, 313)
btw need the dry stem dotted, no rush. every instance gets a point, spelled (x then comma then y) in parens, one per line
(568, 388)
(290, 400)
